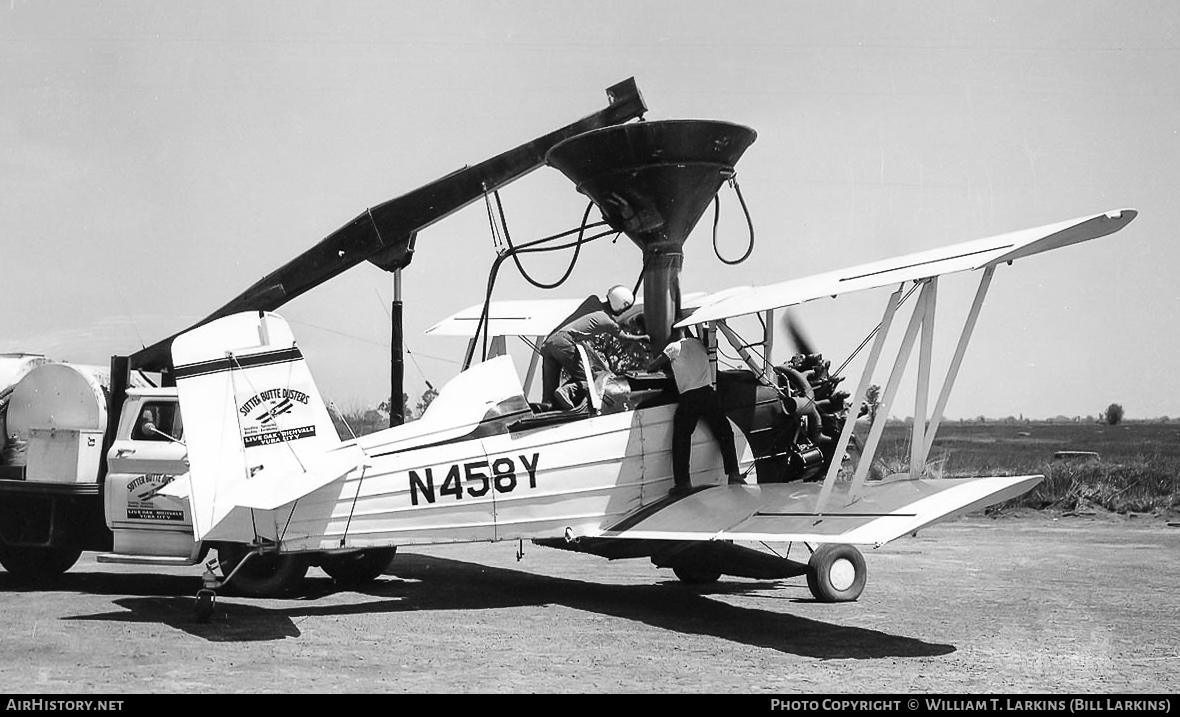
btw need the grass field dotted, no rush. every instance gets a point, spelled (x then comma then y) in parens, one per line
(1137, 469)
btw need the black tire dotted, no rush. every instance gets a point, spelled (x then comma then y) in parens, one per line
(38, 564)
(269, 575)
(836, 573)
(206, 599)
(696, 577)
(360, 567)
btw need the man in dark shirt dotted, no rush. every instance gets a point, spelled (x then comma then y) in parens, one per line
(560, 349)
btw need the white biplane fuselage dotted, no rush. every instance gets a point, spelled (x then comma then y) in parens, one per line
(470, 469)
(268, 469)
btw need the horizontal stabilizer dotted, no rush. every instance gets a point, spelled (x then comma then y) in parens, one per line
(271, 491)
(884, 510)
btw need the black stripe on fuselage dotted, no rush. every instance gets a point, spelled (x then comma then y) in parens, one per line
(265, 358)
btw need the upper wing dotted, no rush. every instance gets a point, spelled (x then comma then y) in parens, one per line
(537, 317)
(785, 512)
(958, 257)
(508, 318)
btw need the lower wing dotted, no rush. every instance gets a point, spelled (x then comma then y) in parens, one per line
(882, 511)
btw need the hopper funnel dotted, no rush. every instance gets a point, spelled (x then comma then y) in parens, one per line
(653, 181)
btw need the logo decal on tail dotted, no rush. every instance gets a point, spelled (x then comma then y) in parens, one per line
(274, 402)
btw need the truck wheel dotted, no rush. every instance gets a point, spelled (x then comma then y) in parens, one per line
(267, 575)
(38, 563)
(358, 568)
(836, 573)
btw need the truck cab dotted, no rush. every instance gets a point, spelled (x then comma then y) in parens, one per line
(148, 453)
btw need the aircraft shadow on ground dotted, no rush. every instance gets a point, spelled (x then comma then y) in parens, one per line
(431, 583)
(99, 583)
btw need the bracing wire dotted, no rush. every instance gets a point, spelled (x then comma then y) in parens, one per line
(872, 333)
(352, 508)
(282, 438)
(343, 419)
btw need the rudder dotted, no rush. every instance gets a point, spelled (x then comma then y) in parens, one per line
(250, 409)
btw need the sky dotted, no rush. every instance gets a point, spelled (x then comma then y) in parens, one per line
(158, 158)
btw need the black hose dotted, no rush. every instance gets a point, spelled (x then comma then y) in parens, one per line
(527, 248)
(573, 260)
(717, 220)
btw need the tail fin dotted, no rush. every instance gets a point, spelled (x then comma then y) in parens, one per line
(250, 409)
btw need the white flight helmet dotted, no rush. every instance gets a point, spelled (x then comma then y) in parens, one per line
(620, 298)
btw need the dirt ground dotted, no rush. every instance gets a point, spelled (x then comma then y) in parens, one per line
(1010, 605)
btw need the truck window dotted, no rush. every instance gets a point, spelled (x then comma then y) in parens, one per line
(157, 417)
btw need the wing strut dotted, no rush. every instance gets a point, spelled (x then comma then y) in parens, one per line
(858, 398)
(953, 371)
(923, 431)
(899, 364)
(927, 300)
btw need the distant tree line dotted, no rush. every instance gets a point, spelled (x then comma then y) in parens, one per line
(1112, 416)
(361, 421)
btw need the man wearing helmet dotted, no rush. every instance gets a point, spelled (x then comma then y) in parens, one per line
(560, 349)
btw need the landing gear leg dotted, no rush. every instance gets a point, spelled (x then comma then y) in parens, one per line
(207, 596)
(248, 571)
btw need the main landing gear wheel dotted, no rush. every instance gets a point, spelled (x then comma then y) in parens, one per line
(359, 568)
(266, 575)
(836, 573)
(696, 577)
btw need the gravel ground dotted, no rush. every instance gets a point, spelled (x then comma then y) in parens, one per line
(1011, 605)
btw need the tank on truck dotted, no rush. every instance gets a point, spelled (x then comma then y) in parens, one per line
(383, 235)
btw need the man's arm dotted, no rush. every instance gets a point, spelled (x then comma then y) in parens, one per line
(659, 363)
(617, 328)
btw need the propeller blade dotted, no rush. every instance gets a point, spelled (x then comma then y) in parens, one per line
(802, 345)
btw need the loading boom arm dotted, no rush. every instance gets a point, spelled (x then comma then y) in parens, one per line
(384, 234)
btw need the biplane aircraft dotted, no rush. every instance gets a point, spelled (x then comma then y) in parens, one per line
(486, 464)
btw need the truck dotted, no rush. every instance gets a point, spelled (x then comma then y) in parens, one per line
(84, 451)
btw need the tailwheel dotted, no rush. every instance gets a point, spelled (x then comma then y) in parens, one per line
(836, 573)
(265, 575)
(206, 601)
(696, 577)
